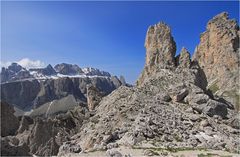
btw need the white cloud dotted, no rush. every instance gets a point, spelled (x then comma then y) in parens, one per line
(26, 63)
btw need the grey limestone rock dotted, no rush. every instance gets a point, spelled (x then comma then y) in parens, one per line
(94, 96)
(10, 146)
(9, 123)
(113, 153)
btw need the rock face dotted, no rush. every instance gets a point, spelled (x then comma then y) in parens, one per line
(42, 138)
(160, 46)
(9, 123)
(25, 123)
(94, 96)
(183, 60)
(160, 49)
(218, 56)
(21, 94)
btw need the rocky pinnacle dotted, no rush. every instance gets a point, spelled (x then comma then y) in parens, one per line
(160, 49)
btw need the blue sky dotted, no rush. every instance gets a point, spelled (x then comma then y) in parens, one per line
(106, 35)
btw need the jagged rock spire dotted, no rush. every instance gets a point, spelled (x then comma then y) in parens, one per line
(217, 52)
(160, 50)
(160, 45)
(184, 60)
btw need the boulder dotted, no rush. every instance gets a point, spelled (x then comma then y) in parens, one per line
(235, 121)
(113, 153)
(215, 108)
(68, 147)
(178, 92)
(194, 98)
(149, 152)
(180, 95)
(163, 96)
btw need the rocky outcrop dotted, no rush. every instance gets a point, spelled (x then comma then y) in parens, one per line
(11, 146)
(235, 121)
(94, 96)
(68, 147)
(42, 138)
(183, 59)
(47, 135)
(160, 46)
(25, 123)
(160, 50)
(9, 123)
(218, 56)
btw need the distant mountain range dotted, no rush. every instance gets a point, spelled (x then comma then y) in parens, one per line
(45, 89)
(16, 72)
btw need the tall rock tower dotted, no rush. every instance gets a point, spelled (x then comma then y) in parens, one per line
(160, 50)
(218, 56)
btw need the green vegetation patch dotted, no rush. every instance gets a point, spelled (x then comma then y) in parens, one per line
(214, 88)
(173, 150)
(234, 95)
(212, 155)
(207, 155)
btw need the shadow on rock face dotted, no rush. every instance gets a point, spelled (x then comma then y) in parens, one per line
(202, 79)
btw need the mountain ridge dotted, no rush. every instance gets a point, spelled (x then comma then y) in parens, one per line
(16, 72)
